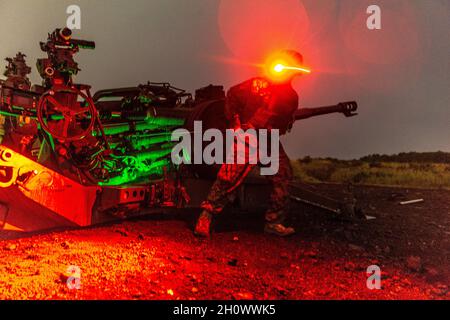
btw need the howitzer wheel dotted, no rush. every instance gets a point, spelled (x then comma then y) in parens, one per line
(65, 118)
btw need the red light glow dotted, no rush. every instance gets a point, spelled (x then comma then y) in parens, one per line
(280, 67)
(252, 28)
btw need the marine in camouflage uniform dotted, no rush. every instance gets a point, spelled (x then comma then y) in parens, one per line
(258, 103)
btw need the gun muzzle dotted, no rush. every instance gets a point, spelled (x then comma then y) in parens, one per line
(349, 108)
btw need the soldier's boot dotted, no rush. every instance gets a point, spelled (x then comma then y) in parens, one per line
(274, 223)
(278, 229)
(203, 226)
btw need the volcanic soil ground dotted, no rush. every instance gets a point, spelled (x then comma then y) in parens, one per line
(159, 258)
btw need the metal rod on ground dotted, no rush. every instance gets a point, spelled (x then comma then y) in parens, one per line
(314, 204)
(411, 201)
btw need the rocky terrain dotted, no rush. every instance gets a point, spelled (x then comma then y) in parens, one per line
(159, 258)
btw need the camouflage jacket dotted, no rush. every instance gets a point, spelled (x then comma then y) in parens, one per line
(261, 104)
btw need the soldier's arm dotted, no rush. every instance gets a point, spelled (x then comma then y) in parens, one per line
(261, 118)
(293, 108)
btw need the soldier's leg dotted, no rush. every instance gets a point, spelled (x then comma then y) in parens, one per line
(279, 198)
(229, 178)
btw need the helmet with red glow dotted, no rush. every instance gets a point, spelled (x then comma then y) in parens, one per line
(284, 65)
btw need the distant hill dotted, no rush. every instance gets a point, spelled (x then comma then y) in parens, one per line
(408, 157)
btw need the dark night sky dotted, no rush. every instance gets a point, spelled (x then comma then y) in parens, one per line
(400, 75)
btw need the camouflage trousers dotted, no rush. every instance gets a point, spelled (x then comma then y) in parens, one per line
(231, 176)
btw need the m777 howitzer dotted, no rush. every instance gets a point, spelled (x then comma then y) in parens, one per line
(89, 159)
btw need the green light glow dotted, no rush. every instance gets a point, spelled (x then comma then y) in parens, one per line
(159, 123)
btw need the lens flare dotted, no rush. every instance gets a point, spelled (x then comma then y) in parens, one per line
(280, 68)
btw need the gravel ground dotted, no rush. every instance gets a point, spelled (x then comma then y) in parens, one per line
(158, 257)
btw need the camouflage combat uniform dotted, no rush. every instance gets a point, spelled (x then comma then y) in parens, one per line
(257, 104)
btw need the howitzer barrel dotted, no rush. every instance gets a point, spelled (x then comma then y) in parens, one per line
(347, 108)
